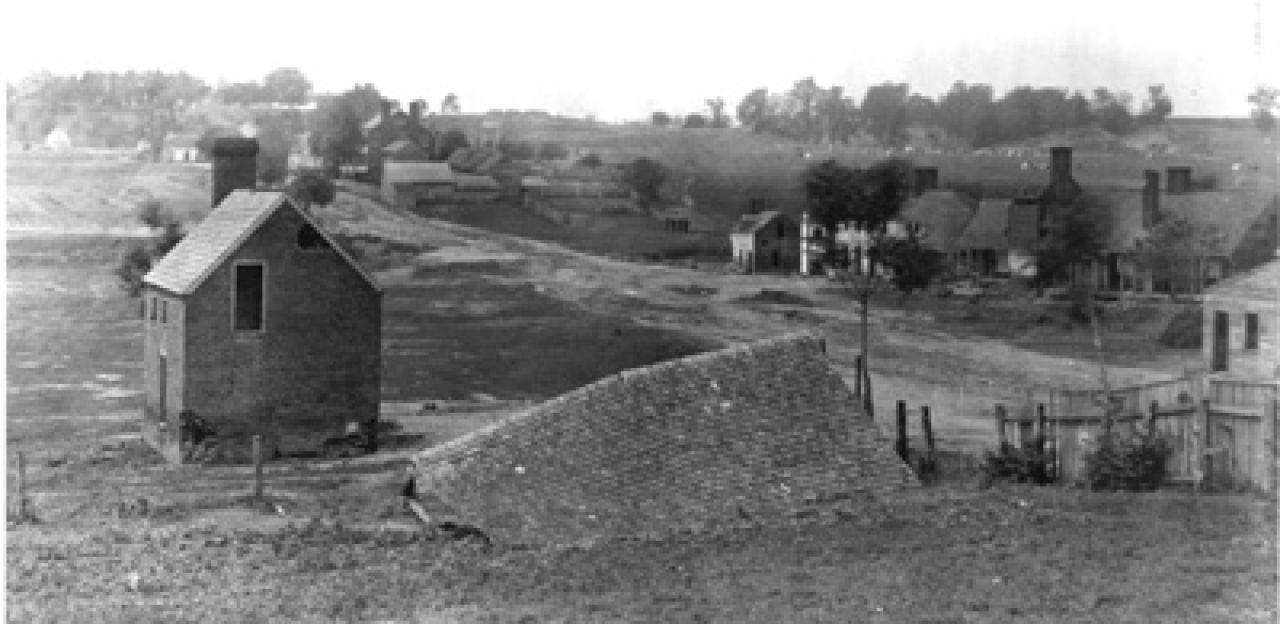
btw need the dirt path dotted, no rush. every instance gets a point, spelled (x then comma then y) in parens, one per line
(912, 359)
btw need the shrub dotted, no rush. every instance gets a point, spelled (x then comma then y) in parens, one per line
(1136, 462)
(1031, 463)
(1185, 330)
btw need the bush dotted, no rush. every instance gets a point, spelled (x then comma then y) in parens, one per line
(1033, 463)
(1136, 463)
(1185, 330)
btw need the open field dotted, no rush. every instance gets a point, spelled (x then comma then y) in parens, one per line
(495, 319)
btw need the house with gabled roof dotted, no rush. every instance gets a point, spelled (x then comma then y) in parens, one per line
(1242, 324)
(766, 242)
(258, 323)
(407, 185)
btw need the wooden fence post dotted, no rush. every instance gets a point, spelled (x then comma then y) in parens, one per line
(257, 467)
(857, 380)
(1270, 411)
(21, 489)
(902, 445)
(1000, 418)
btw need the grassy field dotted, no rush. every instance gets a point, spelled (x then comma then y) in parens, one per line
(118, 536)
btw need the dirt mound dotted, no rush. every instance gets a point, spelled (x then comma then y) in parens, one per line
(750, 433)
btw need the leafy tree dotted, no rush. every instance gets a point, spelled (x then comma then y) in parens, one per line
(138, 259)
(1157, 107)
(337, 124)
(912, 266)
(756, 112)
(868, 198)
(286, 85)
(310, 188)
(1074, 238)
(454, 139)
(241, 93)
(1266, 101)
(803, 97)
(884, 109)
(1176, 250)
(660, 119)
(695, 120)
(718, 118)
(1112, 111)
(645, 177)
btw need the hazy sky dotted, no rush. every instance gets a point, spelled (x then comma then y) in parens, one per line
(624, 60)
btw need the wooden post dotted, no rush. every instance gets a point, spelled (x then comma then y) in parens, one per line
(903, 446)
(1152, 410)
(1270, 411)
(1203, 444)
(21, 490)
(257, 466)
(857, 380)
(926, 424)
(1042, 426)
(1000, 418)
(867, 401)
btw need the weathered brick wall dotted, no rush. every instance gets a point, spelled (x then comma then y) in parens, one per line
(755, 430)
(316, 366)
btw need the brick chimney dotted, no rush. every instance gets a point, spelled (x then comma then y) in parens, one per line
(386, 111)
(1059, 165)
(1151, 199)
(1179, 179)
(926, 179)
(415, 111)
(235, 166)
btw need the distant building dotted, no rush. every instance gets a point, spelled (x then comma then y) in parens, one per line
(766, 242)
(182, 147)
(1242, 324)
(258, 323)
(407, 185)
(388, 128)
(470, 188)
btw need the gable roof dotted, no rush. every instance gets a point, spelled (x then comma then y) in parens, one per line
(417, 172)
(751, 223)
(1262, 283)
(942, 215)
(1232, 212)
(989, 227)
(220, 234)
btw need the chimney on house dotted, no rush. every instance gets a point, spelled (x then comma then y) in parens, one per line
(1179, 179)
(415, 111)
(926, 179)
(1059, 166)
(235, 166)
(1151, 199)
(386, 111)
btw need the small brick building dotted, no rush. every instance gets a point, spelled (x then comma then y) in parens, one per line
(766, 242)
(1242, 323)
(258, 322)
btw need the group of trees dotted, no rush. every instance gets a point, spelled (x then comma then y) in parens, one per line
(972, 112)
(336, 125)
(286, 85)
(716, 119)
(1266, 103)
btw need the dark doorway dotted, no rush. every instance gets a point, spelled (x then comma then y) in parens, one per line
(1221, 329)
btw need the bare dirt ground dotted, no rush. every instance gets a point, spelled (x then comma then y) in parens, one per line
(492, 321)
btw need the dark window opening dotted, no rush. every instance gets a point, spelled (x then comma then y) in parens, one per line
(248, 304)
(164, 311)
(782, 232)
(310, 239)
(1251, 331)
(153, 308)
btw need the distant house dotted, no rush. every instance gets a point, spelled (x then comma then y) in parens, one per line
(58, 140)
(403, 150)
(766, 242)
(388, 128)
(470, 188)
(258, 323)
(1242, 324)
(938, 218)
(409, 184)
(182, 147)
(1244, 219)
(531, 190)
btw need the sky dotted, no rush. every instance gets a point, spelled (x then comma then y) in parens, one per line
(624, 60)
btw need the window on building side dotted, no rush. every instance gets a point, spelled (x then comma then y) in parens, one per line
(310, 239)
(1251, 331)
(164, 311)
(247, 293)
(782, 232)
(153, 308)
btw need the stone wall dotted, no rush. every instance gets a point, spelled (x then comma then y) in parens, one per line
(753, 431)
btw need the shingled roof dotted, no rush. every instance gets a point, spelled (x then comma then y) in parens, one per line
(1262, 283)
(989, 227)
(942, 215)
(1232, 212)
(220, 234)
(751, 223)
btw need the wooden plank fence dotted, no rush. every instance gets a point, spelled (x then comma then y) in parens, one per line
(1223, 432)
